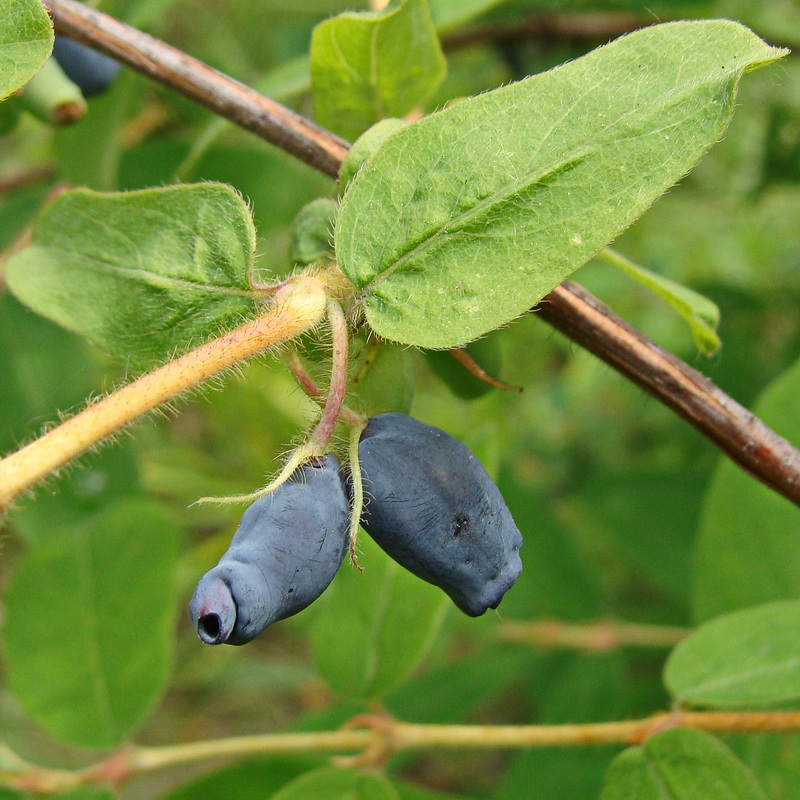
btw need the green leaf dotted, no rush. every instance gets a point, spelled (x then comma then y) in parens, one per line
(43, 370)
(367, 66)
(365, 146)
(26, 40)
(680, 764)
(382, 379)
(312, 231)
(89, 628)
(333, 783)
(258, 778)
(375, 625)
(750, 657)
(144, 275)
(748, 549)
(465, 219)
(87, 793)
(701, 314)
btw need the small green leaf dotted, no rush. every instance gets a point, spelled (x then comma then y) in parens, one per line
(382, 378)
(333, 783)
(749, 657)
(701, 314)
(144, 275)
(680, 764)
(748, 548)
(367, 66)
(312, 231)
(89, 628)
(26, 40)
(375, 625)
(464, 220)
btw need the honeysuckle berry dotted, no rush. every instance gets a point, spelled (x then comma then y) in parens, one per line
(284, 554)
(431, 505)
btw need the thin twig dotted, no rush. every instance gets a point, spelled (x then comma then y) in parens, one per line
(596, 637)
(193, 79)
(28, 177)
(573, 311)
(296, 311)
(377, 737)
(742, 436)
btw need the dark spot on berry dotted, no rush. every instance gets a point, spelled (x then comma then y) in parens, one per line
(460, 524)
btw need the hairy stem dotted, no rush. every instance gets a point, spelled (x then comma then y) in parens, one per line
(313, 392)
(338, 384)
(381, 736)
(596, 637)
(298, 308)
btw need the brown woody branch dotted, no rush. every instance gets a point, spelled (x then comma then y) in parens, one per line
(197, 81)
(569, 308)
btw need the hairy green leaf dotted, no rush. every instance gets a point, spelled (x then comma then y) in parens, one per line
(144, 275)
(26, 40)
(375, 625)
(89, 629)
(367, 66)
(312, 230)
(680, 764)
(750, 657)
(465, 219)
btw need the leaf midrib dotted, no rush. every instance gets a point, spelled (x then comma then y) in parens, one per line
(156, 279)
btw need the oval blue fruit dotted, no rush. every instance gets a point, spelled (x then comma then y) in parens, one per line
(283, 555)
(91, 71)
(431, 505)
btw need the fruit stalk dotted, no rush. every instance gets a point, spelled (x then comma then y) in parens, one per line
(298, 307)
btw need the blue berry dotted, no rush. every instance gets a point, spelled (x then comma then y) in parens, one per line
(284, 554)
(431, 505)
(91, 71)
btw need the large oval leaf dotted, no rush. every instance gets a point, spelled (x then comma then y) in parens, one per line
(26, 40)
(89, 629)
(750, 657)
(464, 220)
(680, 764)
(145, 274)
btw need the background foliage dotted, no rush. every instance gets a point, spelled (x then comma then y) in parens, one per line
(626, 511)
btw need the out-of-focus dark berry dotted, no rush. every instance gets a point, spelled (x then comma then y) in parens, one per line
(91, 71)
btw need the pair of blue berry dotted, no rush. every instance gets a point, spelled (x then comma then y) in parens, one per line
(430, 505)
